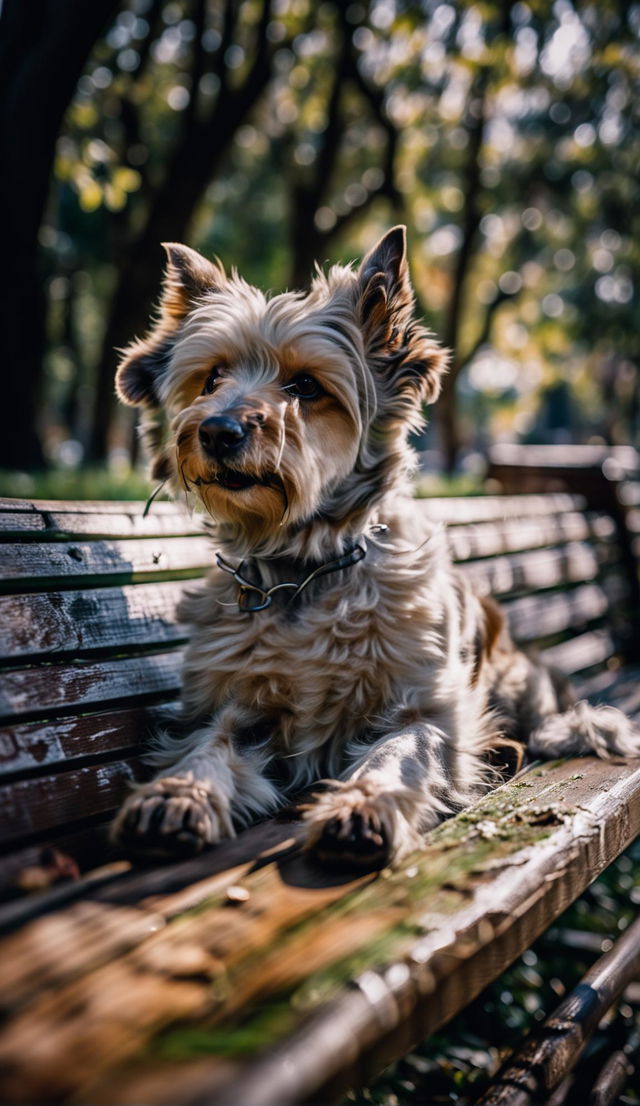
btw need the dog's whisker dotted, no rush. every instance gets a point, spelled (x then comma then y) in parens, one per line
(438, 529)
(280, 448)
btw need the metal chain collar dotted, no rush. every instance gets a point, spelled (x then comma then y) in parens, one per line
(264, 596)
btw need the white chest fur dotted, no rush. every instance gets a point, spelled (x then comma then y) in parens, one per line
(336, 663)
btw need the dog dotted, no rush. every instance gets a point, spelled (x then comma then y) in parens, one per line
(333, 640)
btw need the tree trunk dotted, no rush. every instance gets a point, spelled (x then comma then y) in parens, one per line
(191, 167)
(43, 48)
(447, 408)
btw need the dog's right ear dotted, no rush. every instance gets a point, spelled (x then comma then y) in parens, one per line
(187, 277)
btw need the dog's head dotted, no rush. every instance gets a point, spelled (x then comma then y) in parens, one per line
(288, 409)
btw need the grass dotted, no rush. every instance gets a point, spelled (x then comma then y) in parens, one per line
(130, 484)
(66, 483)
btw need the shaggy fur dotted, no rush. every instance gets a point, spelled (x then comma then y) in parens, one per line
(288, 417)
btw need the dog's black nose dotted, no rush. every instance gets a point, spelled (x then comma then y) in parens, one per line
(220, 435)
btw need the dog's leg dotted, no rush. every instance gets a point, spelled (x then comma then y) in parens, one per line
(403, 785)
(583, 729)
(195, 801)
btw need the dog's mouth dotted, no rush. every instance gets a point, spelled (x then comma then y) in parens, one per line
(233, 480)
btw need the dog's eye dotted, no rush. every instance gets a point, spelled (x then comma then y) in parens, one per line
(304, 386)
(210, 382)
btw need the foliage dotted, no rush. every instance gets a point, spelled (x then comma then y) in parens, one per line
(75, 483)
(506, 135)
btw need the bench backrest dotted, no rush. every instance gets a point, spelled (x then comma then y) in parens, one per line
(90, 646)
(91, 649)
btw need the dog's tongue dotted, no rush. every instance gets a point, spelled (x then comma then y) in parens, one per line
(234, 480)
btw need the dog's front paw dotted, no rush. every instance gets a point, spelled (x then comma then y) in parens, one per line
(350, 826)
(172, 816)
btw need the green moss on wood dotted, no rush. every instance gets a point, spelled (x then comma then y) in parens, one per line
(435, 882)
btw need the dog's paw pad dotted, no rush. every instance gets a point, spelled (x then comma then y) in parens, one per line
(167, 817)
(352, 839)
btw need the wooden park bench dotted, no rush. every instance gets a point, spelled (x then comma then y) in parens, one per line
(245, 976)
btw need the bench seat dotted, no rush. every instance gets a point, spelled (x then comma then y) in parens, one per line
(245, 975)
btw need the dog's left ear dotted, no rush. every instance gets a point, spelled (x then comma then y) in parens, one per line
(187, 277)
(405, 349)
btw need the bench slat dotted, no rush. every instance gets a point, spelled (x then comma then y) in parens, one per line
(534, 617)
(618, 686)
(535, 570)
(87, 506)
(470, 542)
(488, 508)
(418, 946)
(58, 525)
(34, 806)
(37, 746)
(43, 566)
(44, 624)
(581, 653)
(42, 692)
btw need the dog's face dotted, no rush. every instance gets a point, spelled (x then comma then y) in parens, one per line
(284, 408)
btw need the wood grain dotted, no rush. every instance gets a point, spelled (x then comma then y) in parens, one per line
(38, 746)
(415, 944)
(27, 566)
(79, 622)
(33, 806)
(57, 525)
(43, 692)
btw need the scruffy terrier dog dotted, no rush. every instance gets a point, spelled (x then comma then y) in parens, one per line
(333, 638)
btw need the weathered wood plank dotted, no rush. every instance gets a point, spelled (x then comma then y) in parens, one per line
(535, 570)
(144, 615)
(58, 525)
(29, 565)
(534, 617)
(36, 805)
(488, 508)
(418, 944)
(44, 624)
(548, 1054)
(36, 956)
(90, 506)
(618, 686)
(41, 692)
(36, 746)
(512, 536)
(169, 888)
(581, 653)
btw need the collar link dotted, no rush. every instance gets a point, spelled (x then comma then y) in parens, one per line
(252, 597)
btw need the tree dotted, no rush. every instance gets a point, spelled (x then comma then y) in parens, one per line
(203, 137)
(43, 48)
(506, 136)
(354, 115)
